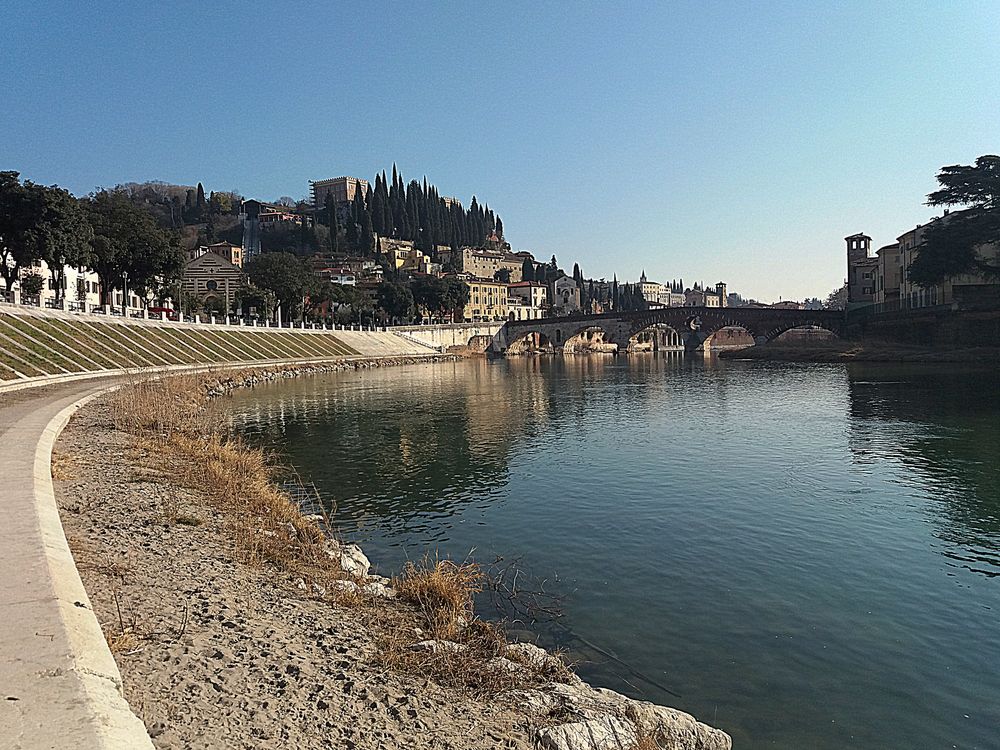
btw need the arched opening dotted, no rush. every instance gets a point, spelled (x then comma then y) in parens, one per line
(728, 338)
(805, 335)
(532, 342)
(658, 337)
(590, 339)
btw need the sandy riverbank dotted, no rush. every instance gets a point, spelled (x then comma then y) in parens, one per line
(217, 651)
(840, 350)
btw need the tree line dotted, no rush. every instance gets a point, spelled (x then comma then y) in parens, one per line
(411, 211)
(104, 231)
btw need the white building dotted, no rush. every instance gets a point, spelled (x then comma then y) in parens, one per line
(532, 293)
(651, 290)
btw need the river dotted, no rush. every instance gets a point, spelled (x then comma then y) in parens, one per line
(806, 556)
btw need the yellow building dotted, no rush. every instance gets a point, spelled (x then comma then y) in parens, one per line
(487, 301)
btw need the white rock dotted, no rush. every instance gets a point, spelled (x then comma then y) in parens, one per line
(530, 654)
(676, 729)
(348, 587)
(379, 589)
(603, 733)
(353, 560)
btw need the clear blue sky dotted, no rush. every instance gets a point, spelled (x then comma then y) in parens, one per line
(709, 141)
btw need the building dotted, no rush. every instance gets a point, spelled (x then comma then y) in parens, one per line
(212, 281)
(668, 298)
(565, 297)
(703, 298)
(532, 293)
(342, 189)
(519, 309)
(232, 253)
(79, 286)
(967, 289)
(889, 274)
(487, 300)
(862, 268)
(788, 305)
(650, 290)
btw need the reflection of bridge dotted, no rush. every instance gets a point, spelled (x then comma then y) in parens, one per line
(693, 325)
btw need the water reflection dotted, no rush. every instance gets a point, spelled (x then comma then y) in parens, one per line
(941, 424)
(804, 553)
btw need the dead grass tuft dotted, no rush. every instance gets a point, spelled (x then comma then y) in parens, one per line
(443, 591)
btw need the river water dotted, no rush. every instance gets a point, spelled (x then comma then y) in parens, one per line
(806, 556)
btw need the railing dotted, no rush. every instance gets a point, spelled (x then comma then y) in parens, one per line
(13, 297)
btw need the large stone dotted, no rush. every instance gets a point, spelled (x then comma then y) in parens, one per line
(676, 730)
(602, 733)
(353, 560)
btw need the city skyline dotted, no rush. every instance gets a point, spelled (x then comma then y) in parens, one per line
(709, 144)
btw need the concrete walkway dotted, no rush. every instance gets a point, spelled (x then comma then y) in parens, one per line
(59, 684)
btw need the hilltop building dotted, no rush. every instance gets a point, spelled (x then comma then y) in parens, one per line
(342, 189)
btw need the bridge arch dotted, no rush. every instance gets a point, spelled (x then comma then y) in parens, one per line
(655, 337)
(531, 342)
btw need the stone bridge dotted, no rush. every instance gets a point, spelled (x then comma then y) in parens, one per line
(692, 325)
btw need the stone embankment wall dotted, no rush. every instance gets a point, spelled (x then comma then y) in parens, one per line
(931, 327)
(476, 336)
(36, 344)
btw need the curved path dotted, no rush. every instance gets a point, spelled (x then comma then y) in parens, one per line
(59, 684)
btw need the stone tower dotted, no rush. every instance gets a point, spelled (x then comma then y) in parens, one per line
(862, 270)
(720, 289)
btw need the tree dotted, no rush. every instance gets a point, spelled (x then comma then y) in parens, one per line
(331, 220)
(32, 284)
(396, 299)
(130, 250)
(950, 245)
(17, 247)
(527, 270)
(837, 299)
(283, 274)
(200, 203)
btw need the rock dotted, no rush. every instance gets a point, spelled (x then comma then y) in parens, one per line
(438, 647)
(531, 655)
(348, 587)
(534, 701)
(603, 733)
(676, 729)
(353, 560)
(379, 589)
(503, 664)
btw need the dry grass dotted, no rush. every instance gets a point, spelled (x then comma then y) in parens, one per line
(175, 421)
(443, 591)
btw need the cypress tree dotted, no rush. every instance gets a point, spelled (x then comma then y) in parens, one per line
(527, 270)
(499, 228)
(200, 204)
(333, 223)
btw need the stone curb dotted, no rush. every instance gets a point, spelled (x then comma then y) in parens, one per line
(68, 687)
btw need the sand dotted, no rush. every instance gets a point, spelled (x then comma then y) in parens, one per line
(219, 654)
